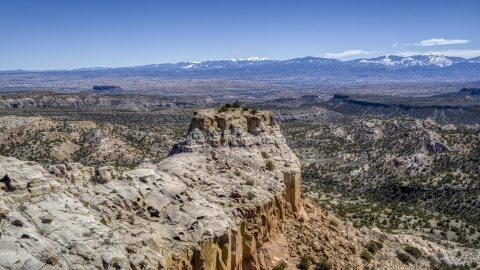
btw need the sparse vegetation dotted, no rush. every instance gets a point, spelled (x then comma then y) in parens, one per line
(333, 223)
(227, 107)
(265, 155)
(127, 145)
(236, 104)
(324, 265)
(282, 265)
(131, 219)
(103, 221)
(251, 195)
(415, 252)
(237, 173)
(366, 256)
(224, 108)
(393, 195)
(373, 246)
(305, 262)
(404, 257)
(249, 182)
(269, 165)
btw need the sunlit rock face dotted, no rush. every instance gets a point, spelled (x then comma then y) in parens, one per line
(224, 191)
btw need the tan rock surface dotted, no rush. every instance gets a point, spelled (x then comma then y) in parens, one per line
(187, 211)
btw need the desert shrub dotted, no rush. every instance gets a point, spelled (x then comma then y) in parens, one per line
(222, 109)
(333, 223)
(86, 204)
(237, 173)
(404, 257)
(374, 246)
(251, 195)
(415, 252)
(222, 140)
(249, 182)
(103, 221)
(324, 265)
(253, 111)
(441, 265)
(265, 155)
(270, 165)
(245, 109)
(366, 256)
(282, 265)
(131, 219)
(22, 208)
(236, 104)
(305, 262)
(225, 108)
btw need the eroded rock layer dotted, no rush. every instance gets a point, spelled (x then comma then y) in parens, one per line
(212, 204)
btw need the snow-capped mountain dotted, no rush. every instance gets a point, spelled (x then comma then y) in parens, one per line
(298, 65)
(226, 63)
(306, 72)
(390, 61)
(310, 60)
(409, 61)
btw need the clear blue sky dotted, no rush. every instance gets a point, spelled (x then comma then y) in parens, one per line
(72, 34)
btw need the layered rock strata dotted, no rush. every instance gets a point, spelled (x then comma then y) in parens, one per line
(214, 203)
(109, 99)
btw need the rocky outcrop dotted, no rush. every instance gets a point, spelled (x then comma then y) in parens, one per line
(110, 99)
(433, 144)
(214, 203)
(254, 139)
(443, 109)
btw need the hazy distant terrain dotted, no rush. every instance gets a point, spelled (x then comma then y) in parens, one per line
(462, 107)
(262, 79)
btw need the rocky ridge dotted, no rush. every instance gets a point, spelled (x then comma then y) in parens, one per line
(459, 108)
(211, 204)
(49, 141)
(42, 99)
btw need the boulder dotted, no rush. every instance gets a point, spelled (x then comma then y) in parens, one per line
(105, 174)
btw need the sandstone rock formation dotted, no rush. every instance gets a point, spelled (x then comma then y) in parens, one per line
(212, 204)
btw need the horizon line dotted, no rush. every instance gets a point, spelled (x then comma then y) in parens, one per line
(251, 59)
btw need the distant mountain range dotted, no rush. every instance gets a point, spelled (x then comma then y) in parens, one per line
(263, 78)
(386, 61)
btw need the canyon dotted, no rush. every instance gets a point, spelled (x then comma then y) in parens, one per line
(228, 196)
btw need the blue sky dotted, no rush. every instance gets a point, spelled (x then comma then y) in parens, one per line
(72, 34)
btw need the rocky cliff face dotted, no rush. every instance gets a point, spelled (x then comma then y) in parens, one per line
(222, 193)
